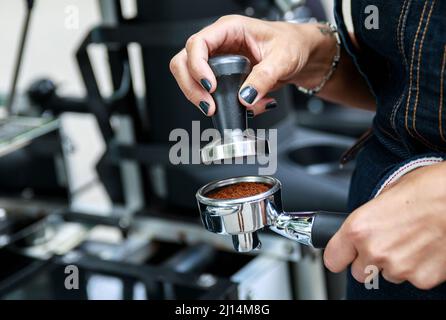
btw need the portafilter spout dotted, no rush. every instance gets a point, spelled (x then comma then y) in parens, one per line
(242, 218)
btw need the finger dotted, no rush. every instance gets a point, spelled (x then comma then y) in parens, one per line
(428, 274)
(260, 81)
(262, 106)
(359, 269)
(395, 268)
(224, 32)
(388, 276)
(197, 62)
(340, 252)
(191, 89)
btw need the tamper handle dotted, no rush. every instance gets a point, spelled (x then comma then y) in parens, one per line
(230, 72)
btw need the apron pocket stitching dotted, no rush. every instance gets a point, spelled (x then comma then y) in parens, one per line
(401, 28)
(406, 118)
(420, 51)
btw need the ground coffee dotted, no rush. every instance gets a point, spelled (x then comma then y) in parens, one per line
(238, 190)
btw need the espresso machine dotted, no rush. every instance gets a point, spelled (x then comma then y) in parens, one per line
(154, 234)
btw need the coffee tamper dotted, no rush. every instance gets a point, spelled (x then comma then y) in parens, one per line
(230, 118)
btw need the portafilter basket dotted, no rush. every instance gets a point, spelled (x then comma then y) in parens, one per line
(242, 218)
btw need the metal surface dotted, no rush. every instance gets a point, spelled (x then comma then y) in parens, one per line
(19, 58)
(234, 145)
(18, 132)
(154, 282)
(39, 264)
(174, 230)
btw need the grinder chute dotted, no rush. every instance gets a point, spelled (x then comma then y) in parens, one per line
(230, 118)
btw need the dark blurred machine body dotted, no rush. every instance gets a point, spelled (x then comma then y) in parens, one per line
(151, 246)
(161, 29)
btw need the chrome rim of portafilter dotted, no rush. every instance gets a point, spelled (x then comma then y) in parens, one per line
(242, 217)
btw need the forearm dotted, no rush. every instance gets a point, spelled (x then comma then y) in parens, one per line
(346, 86)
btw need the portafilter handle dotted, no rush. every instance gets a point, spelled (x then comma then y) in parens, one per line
(325, 225)
(314, 228)
(230, 72)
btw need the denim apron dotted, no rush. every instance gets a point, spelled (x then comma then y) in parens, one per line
(403, 62)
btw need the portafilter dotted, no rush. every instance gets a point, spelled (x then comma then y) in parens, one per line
(242, 218)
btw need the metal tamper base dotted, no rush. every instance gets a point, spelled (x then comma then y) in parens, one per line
(230, 118)
(235, 145)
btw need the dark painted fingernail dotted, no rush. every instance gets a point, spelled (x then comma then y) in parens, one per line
(204, 107)
(206, 84)
(248, 94)
(250, 114)
(271, 105)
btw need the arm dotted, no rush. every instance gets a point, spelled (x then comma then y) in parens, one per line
(346, 86)
(282, 53)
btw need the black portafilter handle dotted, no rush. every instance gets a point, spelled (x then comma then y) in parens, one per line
(230, 72)
(325, 225)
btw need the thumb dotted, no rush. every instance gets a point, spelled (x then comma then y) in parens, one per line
(260, 81)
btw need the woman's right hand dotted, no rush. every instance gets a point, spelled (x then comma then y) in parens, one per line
(280, 52)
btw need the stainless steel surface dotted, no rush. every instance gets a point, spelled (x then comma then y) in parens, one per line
(234, 145)
(18, 132)
(242, 217)
(245, 242)
(273, 246)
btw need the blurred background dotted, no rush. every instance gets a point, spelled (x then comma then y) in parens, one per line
(87, 103)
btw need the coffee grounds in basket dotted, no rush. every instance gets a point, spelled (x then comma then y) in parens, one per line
(239, 190)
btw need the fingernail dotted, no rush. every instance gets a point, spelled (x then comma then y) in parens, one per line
(271, 105)
(206, 84)
(248, 94)
(204, 107)
(250, 114)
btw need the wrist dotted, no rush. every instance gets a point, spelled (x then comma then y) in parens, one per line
(322, 47)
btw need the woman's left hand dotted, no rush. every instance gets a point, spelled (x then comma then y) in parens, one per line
(402, 232)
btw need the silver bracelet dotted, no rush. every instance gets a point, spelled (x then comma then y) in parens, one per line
(334, 64)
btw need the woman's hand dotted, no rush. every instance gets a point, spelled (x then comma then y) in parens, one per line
(402, 232)
(280, 52)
